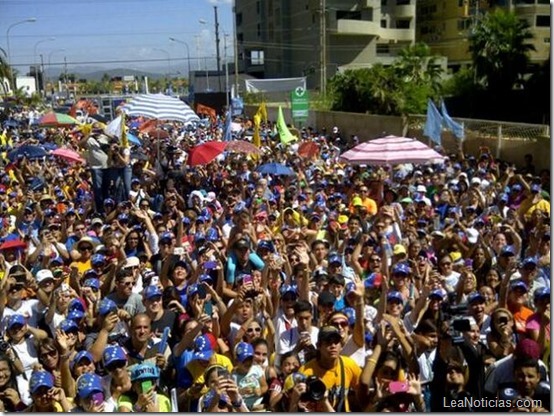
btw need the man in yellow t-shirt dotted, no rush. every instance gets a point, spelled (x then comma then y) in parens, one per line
(330, 367)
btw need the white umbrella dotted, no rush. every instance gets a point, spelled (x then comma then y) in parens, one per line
(160, 107)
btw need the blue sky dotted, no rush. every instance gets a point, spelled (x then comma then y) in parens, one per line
(115, 33)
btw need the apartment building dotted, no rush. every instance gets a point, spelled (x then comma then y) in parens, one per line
(315, 38)
(446, 24)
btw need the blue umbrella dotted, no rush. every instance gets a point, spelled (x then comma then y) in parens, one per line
(275, 169)
(134, 139)
(29, 151)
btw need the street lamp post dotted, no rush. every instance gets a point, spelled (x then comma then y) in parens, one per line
(188, 53)
(35, 59)
(225, 36)
(29, 20)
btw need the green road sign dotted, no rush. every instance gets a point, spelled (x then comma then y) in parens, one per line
(300, 104)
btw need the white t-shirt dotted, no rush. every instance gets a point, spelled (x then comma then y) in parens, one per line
(289, 339)
(28, 309)
(352, 350)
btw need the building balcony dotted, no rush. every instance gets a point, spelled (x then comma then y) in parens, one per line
(348, 27)
(403, 11)
(371, 4)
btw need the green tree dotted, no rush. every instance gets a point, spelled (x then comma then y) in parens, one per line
(4, 71)
(499, 47)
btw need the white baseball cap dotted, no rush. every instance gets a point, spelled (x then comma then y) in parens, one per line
(43, 275)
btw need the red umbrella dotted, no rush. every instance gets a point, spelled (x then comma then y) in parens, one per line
(308, 149)
(57, 120)
(242, 146)
(205, 153)
(68, 154)
(13, 244)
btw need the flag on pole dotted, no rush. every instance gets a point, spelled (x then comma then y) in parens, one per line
(262, 111)
(454, 126)
(115, 127)
(285, 135)
(209, 111)
(433, 125)
(123, 132)
(228, 121)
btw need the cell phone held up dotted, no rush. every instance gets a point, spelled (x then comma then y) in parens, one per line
(398, 387)
(145, 386)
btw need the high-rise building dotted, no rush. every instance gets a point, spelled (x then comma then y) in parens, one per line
(446, 25)
(291, 38)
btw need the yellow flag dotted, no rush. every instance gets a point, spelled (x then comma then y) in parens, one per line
(256, 139)
(123, 138)
(262, 112)
(284, 133)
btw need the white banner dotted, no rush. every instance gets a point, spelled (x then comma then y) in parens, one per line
(275, 85)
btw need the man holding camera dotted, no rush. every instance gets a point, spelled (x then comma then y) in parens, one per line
(340, 375)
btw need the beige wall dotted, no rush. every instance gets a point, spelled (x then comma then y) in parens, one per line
(369, 126)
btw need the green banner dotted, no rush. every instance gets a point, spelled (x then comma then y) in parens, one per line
(300, 104)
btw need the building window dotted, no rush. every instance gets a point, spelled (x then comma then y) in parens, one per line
(402, 2)
(543, 21)
(240, 37)
(383, 2)
(543, 1)
(346, 14)
(384, 23)
(259, 30)
(464, 24)
(257, 57)
(403, 24)
(239, 19)
(383, 49)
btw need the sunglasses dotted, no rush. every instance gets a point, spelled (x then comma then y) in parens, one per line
(446, 264)
(250, 330)
(87, 248)
(46, 354)
(341, 324)
(126, 283)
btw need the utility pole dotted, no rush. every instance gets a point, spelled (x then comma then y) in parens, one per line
(225, 36)
(323, 47)
(42, 83)
(235, 51)
(217, 56)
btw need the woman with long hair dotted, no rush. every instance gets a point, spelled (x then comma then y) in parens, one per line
(501, 340)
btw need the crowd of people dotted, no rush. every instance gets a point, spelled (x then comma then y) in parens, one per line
(137, 283)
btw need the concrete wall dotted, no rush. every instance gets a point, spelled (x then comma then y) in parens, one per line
(369, 126)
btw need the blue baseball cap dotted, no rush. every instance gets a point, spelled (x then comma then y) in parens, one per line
(16, 319)
(475, 297)
(40, 379)
(98, 259)
(106, 306)
(350, 314)
(508, 251)
(90, 274)
(335, 259)
(202, 348)
(265, 244)
(529, 261)
(244, 351)
(76, 304)
(80, 356)
(519, 284)
(438, 294)
(152, 292)
(288, 289)
(166, 236)
(88, 384)
(211, 235)
(401, 268)
(76, 316)
(394, 295)
(113, 353)
(144, 371)
(92, 282)
(535, 188)
(206, 278)
(194, 289)
(68, 325)
(542, 293)
(109, 201)
(56, 260)
(350, 287)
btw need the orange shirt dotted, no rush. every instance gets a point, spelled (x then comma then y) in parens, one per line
(520, 318)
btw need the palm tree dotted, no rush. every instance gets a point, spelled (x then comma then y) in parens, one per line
(499, 46)
(4, 72)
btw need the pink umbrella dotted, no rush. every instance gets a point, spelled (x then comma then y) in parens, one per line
(68, 154)
(391, 150)
(242, 146)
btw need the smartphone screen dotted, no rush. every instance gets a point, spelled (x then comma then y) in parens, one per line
(247, 280)
(208, 308)
(146, 386)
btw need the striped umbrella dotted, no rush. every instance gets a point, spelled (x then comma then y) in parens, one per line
(160, 107)
(57, 120)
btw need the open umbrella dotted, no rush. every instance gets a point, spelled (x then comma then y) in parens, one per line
(98, 117)
(275, 169)
(57, 120)
(308, 149)
(204, 153)
(68, 154)
(28, 151)
(391, 150)
(160, 107)
(242, 146)
(133, 139)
